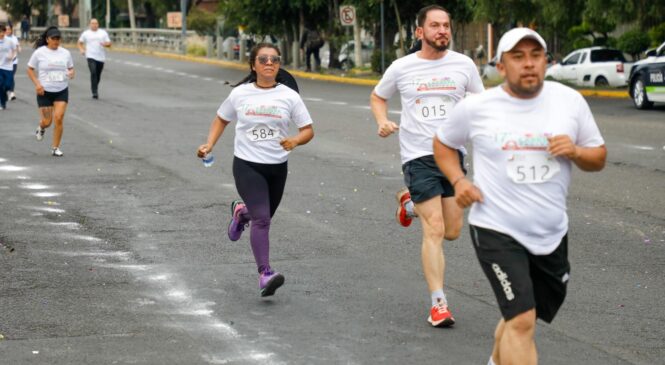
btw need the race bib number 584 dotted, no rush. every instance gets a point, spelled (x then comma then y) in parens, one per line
(262, 132)
(532, 168)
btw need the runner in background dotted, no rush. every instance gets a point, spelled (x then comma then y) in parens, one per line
(10, 35)
(7, 54)
(92, 44)
(55, 68)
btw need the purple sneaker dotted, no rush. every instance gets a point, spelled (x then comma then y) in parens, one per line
(269, 281)
(236, 226)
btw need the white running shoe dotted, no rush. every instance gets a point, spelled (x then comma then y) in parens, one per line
(12, 95)
(56, 152)
(39, 134)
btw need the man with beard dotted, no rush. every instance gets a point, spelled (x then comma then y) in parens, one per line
(526, 135)
(430, 82)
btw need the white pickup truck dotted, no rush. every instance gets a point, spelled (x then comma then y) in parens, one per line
(594, 66)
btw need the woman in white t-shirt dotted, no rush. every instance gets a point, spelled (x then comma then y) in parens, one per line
(56, 68)
(262, 111)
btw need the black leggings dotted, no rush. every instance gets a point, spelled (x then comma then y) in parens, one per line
(261, 187)
(95, 68)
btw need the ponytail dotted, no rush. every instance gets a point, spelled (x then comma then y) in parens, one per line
(41, 40)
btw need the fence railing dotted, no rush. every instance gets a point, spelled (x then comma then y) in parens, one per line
(143, 39)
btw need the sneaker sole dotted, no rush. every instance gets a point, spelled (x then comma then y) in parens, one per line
(448, 322)
(398, 196)
(272, 286)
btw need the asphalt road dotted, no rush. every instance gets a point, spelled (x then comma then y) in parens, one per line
(117, 253)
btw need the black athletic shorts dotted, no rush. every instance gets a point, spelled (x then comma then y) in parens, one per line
(49, 98)
(424, 179)
(520, 280)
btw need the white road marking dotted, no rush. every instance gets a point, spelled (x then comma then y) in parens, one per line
(638, 147)
(12, 168)
(46, 194)
(104, 130)
(312, 99)
(34, 186)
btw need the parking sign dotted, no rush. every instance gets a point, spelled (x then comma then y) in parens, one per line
(347, 15)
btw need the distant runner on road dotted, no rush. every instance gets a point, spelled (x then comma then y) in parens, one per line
(430, 82)
(91, 44)
(262, 111)
(526, 136)
(8, 50)
(56, 68)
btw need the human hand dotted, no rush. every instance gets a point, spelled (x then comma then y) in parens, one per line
(387, 128)
(289, 143)
(562, 146)
(203, 150)
(466, 193)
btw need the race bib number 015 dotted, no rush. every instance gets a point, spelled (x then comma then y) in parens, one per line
(262, 133)
(532, 168)
(433, 107)
(56, 76)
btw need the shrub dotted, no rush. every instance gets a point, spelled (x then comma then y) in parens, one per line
(203, 22)
(657, 35)
(196, 50)
(376, 58)
(633, 42)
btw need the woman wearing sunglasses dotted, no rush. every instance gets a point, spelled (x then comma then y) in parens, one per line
(56, 68)
(262, 111)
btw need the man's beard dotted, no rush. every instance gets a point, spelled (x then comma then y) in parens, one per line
(432, 43)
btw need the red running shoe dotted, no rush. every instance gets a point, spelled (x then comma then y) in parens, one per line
(403, 196)
(439, 316)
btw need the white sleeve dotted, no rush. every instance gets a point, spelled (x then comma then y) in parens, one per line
(82, 37)
(70, 61)
(299, 114)
(106, 37)
(227, 111)
(475, 82)
(32, 62)
(387, 86)
(454, 131)
(588, 134)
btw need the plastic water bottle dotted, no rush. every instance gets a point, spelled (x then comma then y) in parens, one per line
(208, 160)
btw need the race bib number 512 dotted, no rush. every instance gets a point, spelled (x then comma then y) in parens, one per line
(532, 168)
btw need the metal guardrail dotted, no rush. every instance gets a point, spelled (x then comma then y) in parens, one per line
(142, 39)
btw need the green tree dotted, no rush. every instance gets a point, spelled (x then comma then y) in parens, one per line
(633, 42)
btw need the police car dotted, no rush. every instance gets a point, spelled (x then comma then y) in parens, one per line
(647, 79)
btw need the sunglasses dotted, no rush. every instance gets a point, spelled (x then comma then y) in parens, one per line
(273, 59)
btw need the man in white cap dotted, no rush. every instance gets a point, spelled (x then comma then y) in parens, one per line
(526, 135)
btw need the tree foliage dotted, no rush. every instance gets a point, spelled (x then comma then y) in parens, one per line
(633, 42)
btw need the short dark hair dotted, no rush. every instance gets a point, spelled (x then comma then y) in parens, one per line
(422, 13)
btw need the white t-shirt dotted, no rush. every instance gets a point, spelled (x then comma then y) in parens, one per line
(7, 48)
(524, 188)
(16, 42)
(263, 117)
(52, 66)
(93, 44)
(429, 89)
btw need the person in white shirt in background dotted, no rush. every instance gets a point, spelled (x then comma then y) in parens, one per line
(526, 136)
(92, 44)
(430, 83)
(7, 54)
(56, 68)
(10, 35)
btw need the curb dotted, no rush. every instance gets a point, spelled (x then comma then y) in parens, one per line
(331, 78)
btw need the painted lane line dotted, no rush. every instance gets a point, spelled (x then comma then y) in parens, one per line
(34, 186)
(104, 130)
(46, 194)
(338, 103)
(642, 148)
(12, 168)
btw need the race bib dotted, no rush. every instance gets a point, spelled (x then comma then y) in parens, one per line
(56, 76)
(433, 107)
(532, 168)
(262, 132)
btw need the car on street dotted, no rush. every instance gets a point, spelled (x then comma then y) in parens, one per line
(347, 54)
(647, 79)
(488, 71)
(593, 66)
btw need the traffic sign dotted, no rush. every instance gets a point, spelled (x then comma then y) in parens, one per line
(174, 19)
(347, 15)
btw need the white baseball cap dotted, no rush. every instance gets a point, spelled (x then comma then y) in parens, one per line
(510, 39)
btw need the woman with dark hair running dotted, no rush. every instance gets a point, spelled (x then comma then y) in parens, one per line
(262, 111)
(56, 68)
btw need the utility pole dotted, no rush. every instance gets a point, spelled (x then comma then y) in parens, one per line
(49, 13)
(132, 21)
(108, 14)
(183, 10)
(84, 13)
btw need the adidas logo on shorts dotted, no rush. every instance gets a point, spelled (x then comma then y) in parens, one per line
(503, 278)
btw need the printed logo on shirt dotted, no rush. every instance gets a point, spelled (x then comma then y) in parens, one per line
(445, 83)
(269, 111)
(523, 142)
(56, 64)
